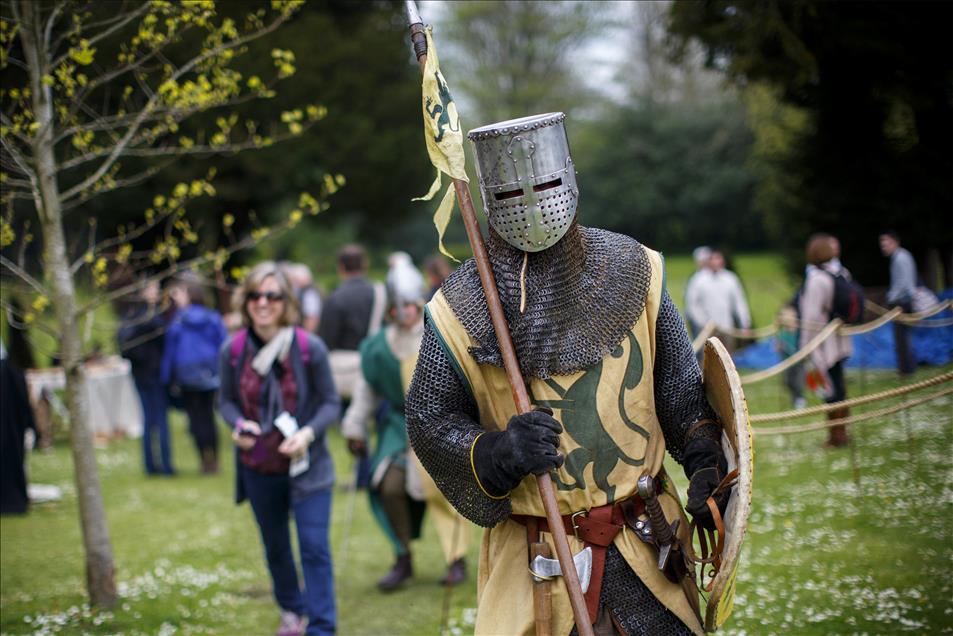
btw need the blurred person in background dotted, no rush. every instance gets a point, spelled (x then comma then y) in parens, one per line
(399, 485)
(787, 344)
(353, 311)
(816, 306)
(16, 418)
(278, 396)
(693, 310)
(721, 299)
(309, 299)
(903, 285)
(437, 269)
(141, 340)
(190, 363)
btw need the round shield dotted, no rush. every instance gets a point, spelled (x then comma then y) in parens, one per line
(723, 388)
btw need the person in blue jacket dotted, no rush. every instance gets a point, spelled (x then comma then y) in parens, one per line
(141, 340)
(278, 396)
(190, 364)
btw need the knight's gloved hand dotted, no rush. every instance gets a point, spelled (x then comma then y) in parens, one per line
(701, 486)
(529, 445)
(705, 466)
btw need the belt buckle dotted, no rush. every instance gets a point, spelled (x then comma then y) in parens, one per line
(575, 528)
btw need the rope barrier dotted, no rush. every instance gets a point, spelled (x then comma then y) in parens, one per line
(703, 336)
(864, 399)
(805, 351)
(884, 316)
(856, 330)
(942, 322)
(816, 426)
(914, 317)
(748, 334)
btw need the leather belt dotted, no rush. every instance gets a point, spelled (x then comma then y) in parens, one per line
(597, 529)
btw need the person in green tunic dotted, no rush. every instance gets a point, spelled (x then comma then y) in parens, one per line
(396, 497)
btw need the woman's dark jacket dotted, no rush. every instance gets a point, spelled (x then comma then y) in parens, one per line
(318, 406)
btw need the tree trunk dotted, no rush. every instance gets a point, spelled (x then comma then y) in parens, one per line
(100, 572)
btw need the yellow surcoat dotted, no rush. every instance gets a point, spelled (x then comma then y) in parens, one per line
(611, 437)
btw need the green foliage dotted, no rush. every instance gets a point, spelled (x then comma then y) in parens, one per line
(873, 85)
(98, 98)
(673, 176)
(778, 128)
(355, 57)
(511, 59)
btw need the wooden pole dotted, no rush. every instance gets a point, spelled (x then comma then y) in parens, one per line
(510, 363)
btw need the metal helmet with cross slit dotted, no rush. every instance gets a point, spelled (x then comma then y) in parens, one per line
(527, 179)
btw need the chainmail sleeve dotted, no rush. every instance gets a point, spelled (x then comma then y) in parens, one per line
(442, 426)
(680, 399)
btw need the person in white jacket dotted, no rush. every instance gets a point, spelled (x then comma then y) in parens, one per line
(718, 297)
(700, 255)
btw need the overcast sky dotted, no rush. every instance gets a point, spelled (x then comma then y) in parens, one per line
(598, 60)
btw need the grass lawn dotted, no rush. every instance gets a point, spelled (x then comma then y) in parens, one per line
(822, 555)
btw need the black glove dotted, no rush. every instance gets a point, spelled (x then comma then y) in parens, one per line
(706, 466)
(529, 445)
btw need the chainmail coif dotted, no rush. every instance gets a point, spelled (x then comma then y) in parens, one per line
(582, 296)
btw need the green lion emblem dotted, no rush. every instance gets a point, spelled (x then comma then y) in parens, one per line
(580, 418)
(440, 112)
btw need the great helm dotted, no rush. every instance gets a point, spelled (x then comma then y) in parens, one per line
(527, 179)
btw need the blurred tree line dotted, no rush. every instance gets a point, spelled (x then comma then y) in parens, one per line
(739, 124)
(859, 137)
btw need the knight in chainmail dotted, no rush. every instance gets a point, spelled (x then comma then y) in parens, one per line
(609, 368)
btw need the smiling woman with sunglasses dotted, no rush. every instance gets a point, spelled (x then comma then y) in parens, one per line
(279, 398)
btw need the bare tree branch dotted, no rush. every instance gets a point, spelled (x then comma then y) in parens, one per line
(96, 82)
(177, 151)
(15, 62)
(121, 146)
(23, 275)
(15, 320)
(20, 160)
(123, 20)
(5, 119)
(50, 22)
(112, 123)
(17, 183)
(125, 182)
(173, 269)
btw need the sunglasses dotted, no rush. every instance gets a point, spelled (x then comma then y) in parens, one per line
(271, 297)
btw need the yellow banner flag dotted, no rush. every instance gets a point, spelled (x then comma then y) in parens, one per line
(444, 138)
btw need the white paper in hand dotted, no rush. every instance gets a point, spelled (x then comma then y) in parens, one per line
(287, 424)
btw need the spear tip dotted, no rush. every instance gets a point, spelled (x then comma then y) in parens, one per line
(413, 16)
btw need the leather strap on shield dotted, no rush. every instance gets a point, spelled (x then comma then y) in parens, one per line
(716, 538)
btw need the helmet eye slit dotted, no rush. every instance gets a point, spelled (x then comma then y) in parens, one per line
(549, 185)
(510, 194)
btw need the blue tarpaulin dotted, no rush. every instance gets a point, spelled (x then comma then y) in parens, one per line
(873, 350)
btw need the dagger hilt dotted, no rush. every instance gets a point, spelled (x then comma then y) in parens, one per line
(660, 528)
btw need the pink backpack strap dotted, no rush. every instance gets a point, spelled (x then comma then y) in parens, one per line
(238, 345)
(301, 337)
